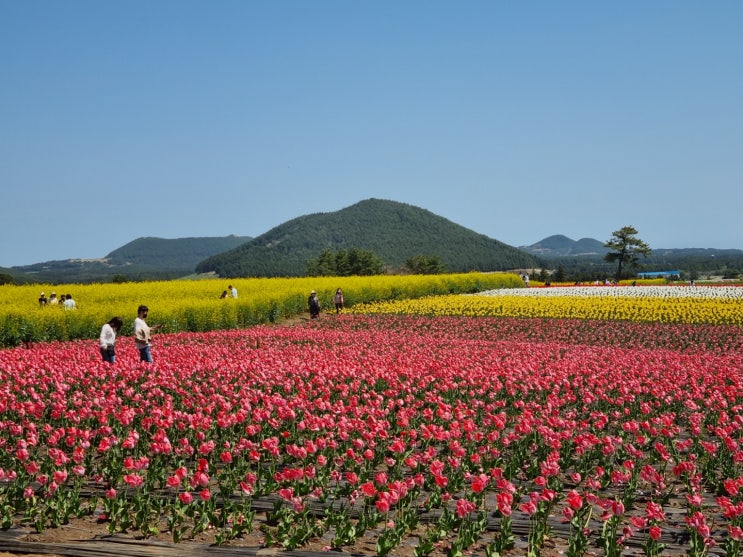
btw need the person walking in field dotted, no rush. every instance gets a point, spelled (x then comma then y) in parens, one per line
(143, 334)
(314, 305)
(338, 300)
(108, 339)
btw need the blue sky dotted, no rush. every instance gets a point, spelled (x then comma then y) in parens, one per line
(517, 120)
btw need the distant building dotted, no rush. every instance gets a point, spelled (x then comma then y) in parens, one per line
(660, 274)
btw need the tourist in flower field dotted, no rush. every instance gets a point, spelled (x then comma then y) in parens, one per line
(233, 291)
(314, 304)
(142, 334)
(53, 301)
(108, 339)
(338, 300)
(224, 295)
(69, 303)
(42, 299)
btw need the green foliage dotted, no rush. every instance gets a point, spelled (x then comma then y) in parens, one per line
(559, 275)
(345, 263)
(6, 278)
(625, 247)
(358, 262)
(324, 266)
(394, 231)
(423, 265)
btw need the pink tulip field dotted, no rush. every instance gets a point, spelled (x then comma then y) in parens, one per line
(425, 435)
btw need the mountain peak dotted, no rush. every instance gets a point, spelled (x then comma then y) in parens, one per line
(393, 231)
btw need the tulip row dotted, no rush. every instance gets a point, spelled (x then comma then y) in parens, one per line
(196, 305)
(708, 305)
(660, 291)
(483, 423)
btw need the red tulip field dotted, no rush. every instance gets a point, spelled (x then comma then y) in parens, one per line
(400, 435)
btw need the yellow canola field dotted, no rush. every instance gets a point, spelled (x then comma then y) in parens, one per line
(664, 310)
(195, 305)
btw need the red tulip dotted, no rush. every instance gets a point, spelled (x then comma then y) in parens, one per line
(574, 499)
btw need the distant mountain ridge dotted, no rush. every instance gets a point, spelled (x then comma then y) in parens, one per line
(584, 258)
(145, 258)
(559, 245)
(562, 246)
(180, 252)
(394, 231)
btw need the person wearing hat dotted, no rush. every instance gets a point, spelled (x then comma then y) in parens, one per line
(314, 305)
(53, 301)
(42, 299)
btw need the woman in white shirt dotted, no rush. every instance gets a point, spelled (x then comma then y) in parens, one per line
(108, 339)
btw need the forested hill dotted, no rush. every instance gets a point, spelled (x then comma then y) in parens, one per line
(141, 259)
(169, 253)
(394, 231)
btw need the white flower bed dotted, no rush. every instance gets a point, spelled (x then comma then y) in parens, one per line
(719, 292)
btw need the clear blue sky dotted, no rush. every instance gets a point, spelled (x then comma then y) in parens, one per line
(517, 120)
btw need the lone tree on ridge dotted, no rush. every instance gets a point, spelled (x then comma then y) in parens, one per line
(625, 248)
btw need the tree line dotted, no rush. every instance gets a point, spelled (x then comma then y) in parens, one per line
(361, 262)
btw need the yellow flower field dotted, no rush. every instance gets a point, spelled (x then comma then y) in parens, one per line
(196, 305)
(653, 305)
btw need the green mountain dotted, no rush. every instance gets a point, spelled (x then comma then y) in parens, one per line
(562, 246)
(180, 253)
(394, 231)
(141, 259)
